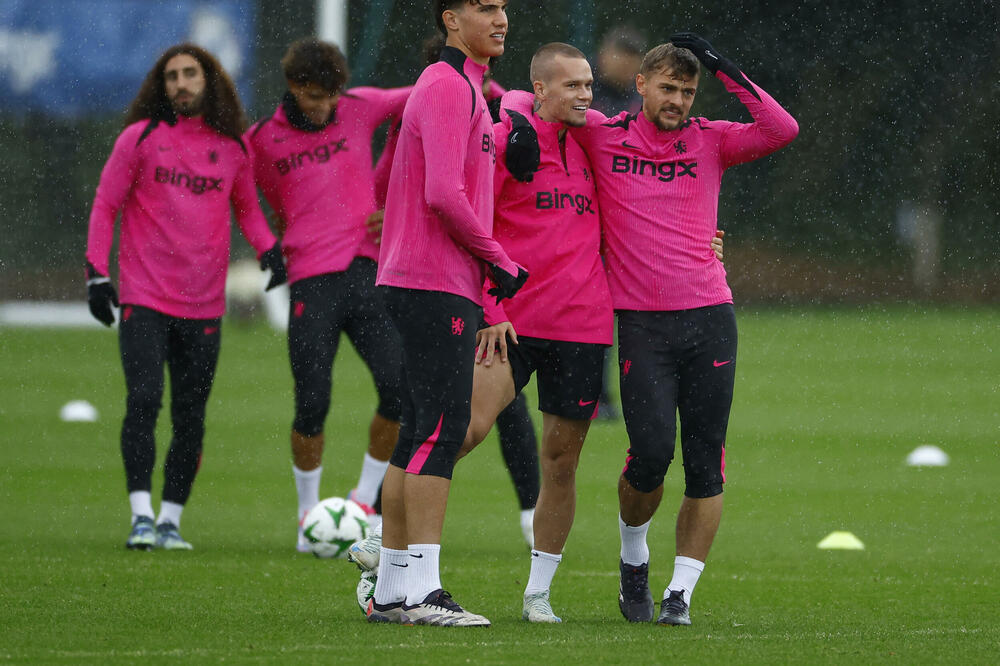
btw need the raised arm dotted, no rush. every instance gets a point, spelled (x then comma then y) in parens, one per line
(773, 126)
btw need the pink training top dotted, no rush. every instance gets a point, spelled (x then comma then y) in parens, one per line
(174, 185)
(384, 166)
(438, 225)
(659, 194)
(320, 182)
(552, 226)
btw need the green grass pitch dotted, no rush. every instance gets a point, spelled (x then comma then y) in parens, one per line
(828, 404)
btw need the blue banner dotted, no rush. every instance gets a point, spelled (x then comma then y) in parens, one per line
(90, 56)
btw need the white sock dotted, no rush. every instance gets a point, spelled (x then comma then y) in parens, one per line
(634, 548)
(686, 573)
(307, 485)
(424, 572)
(142, 504)
(392, 575)
(170, 512)
(372, 471)
(528, 526)
(543, 568)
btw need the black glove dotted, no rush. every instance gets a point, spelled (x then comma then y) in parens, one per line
(699, 46)
(523, 153)
(271, 260)
(506, 284)
(710, 58)
(101, 295)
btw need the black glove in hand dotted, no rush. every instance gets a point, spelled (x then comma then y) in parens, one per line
(699, 46)
(101, 295)
(710, 58)
(506, 284)
(523, 153)
(271, 260)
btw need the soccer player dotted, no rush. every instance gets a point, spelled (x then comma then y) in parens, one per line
(515, 430)
(436, 249)
(562, 320)
(313, 163)
(173, 174)
(658, 175)
(548, 217)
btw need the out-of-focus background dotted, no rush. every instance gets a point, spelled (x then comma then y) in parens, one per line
(890, 193)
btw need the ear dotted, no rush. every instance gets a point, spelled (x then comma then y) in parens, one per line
(640, 84)
(539, 89)
(450, 18)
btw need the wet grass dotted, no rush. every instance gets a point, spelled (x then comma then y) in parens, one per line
(828, 405)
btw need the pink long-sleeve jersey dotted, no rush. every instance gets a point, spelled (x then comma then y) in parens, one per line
(552, 227)
(321, 182)
(174, 185)
(659, 194)
(438, 225)
(384, 165)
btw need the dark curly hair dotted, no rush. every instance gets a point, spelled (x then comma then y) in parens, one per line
(222, 110)
(310, 60)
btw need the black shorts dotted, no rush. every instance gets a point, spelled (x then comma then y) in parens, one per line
(672, 363)
(437, 334)
(321, 308)
(570, 374)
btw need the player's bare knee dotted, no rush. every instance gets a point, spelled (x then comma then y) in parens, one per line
(479, 428)
(561, 473)
(560, 466)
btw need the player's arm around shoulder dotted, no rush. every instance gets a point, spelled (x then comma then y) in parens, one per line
(592, 132)
(380, 104)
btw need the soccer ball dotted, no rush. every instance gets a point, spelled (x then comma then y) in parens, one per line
(333, 525)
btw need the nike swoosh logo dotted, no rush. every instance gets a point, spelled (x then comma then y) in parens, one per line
(719, 364)
(420, 556)
(584, 404)
(279, 139)
(628, 145)
(401, 566)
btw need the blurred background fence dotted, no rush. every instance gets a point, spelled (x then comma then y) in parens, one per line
(889, 193)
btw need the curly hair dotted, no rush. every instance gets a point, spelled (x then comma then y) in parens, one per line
(310, 60)
(222, 110)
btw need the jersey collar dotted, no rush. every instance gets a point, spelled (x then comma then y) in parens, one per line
(464, 65)
(298, 120)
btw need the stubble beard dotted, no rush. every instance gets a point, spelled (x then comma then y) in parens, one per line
(189, 108)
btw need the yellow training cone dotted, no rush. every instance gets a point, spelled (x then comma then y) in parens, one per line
(841, 541)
